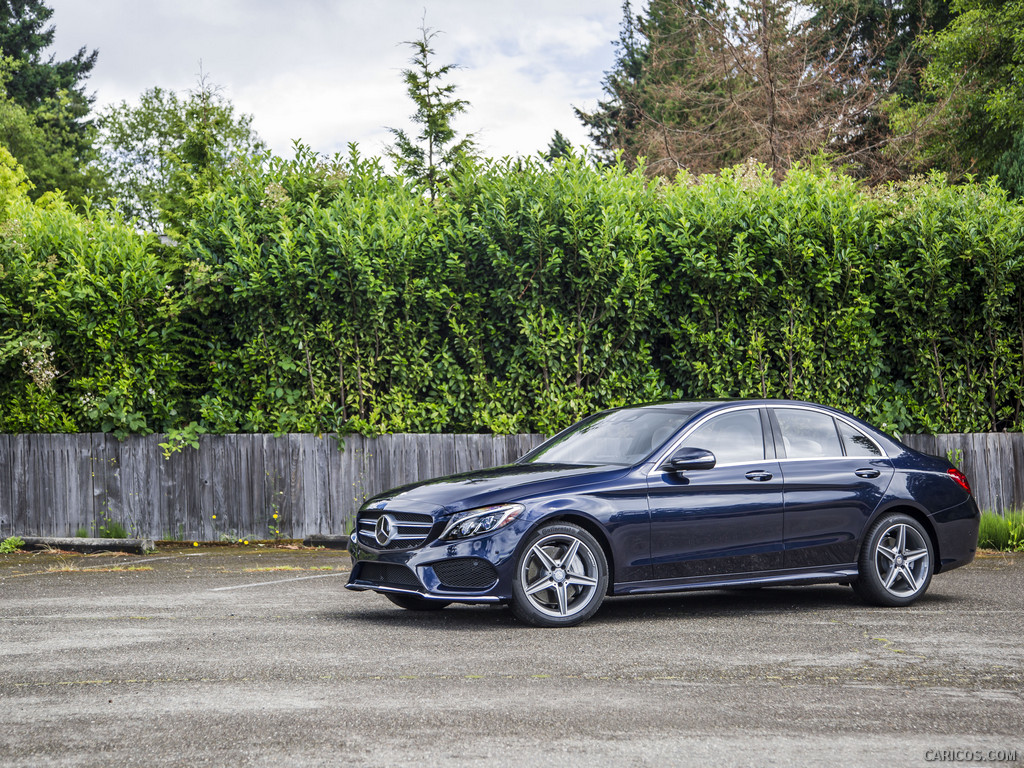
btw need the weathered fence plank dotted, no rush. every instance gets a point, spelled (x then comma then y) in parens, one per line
(54, 485)
(6, 493)
(23, 509)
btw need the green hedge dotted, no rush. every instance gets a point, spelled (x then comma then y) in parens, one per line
(311, 296)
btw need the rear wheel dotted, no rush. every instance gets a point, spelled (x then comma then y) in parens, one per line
(561, 577)
(415, 603)
(896, 562)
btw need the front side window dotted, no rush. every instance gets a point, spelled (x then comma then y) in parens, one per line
(733, 437)
(807, 434)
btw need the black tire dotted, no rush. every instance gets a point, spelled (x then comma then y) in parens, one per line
(415, 603)
(896, 562)
(561, 577)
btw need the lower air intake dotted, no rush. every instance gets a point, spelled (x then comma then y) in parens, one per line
(388, 574)
(466, 573)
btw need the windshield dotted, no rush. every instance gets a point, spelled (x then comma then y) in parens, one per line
(616, 437)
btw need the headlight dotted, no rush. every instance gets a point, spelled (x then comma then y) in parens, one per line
(483, 520)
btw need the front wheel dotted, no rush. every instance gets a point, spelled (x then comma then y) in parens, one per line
(561, 577)
(896, 562)
(415, 603)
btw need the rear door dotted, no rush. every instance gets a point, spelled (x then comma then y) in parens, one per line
(835, 477)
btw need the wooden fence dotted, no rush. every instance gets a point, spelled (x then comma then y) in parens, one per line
(992, 461)
(57, 485)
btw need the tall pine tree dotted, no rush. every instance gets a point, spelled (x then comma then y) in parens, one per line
(431, 155)
(44, 114)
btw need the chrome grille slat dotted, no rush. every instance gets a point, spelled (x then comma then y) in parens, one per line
(411, 529)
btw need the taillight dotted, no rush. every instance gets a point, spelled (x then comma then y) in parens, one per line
(960, 477)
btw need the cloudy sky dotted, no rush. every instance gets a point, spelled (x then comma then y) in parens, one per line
(329, 71)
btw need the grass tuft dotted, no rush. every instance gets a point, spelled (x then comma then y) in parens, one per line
(1002, 532)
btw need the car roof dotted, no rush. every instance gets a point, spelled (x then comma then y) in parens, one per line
(701, 407)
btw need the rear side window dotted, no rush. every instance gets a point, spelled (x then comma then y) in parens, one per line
(807, 434)
(856, 442)
(733, 437)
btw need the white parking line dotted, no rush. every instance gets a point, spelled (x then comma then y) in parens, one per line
(279, 581)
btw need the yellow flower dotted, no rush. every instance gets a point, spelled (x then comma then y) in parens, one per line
(195, 543)
(246, 541)
(275, 515)
(214, 517)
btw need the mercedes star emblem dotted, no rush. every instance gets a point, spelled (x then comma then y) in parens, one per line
(385, 529)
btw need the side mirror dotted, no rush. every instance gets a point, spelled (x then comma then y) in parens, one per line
(689, 458)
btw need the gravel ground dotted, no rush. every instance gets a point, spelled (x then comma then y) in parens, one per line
(221, 656)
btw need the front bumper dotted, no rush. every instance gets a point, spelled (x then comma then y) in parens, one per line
(489, 561)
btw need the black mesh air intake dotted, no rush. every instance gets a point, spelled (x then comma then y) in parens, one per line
(388, 574)
(466, 573)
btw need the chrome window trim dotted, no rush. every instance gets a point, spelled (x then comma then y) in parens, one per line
(881, 451)
(747, 407)
(696, 425)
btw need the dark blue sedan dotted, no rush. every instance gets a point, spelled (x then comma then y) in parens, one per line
(670, 497)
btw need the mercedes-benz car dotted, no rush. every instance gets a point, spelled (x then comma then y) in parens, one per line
(671, 497)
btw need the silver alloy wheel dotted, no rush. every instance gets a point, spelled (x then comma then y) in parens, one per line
(559, 575)
(901, 560)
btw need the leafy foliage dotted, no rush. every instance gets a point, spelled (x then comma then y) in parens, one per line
(156, 154)
(11, 544)
(313, 295)
(90, 338)
(973, 105)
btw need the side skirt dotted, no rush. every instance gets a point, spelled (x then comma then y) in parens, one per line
(841, 574)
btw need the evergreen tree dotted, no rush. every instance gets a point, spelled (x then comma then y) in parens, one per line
(55, 145)
(705, 84)
(436, 149)
(24, 37)
(1010, 167)
(884, 39)
(613, 125)
(558, 147)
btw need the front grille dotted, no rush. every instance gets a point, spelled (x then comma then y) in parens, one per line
(465, 573)
(411, 529)
(387, 573)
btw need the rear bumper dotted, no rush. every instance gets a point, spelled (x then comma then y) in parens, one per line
(956, 531)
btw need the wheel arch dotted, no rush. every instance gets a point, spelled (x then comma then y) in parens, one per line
(591, 526)
(917, 514)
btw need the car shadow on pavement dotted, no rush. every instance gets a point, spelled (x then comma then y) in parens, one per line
(710, 604)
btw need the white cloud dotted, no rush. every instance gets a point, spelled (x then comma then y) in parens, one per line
(328, 72)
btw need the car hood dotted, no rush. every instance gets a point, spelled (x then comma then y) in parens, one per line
(454, 493)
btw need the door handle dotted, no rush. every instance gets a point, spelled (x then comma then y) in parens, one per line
(759, 475)
(867, 472)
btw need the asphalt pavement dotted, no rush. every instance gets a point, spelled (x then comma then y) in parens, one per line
(229, 657)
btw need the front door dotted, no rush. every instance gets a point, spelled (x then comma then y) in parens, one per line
(725, 520)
